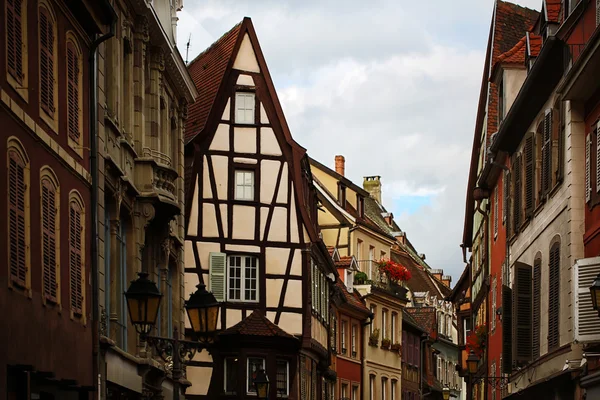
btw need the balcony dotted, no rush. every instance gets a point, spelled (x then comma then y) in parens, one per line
(371, 277)
(155, 178)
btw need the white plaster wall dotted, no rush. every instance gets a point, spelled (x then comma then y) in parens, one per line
(206, 188)
(246, 59)
(294, 234)
(269, 169)
(276, 260)
(204, 250)
(513, 80)
(297, 263)
(220, 167)
(243, 222)
(224, 219)
(244, 140)
(221, 138)
(283, 186)
(293, 294)
(264, 119)
(209, 221)
(291, 323)
(227, 111)
(232, 317)
(193, 219)
(274, 287)
(188, 255)
(268, 142)
(264, 213)
(278, 228)
(242, 248)
(245, 80)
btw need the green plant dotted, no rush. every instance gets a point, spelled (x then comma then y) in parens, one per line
(360, 278)
(374, 337)
(395, 346)
(385, 343)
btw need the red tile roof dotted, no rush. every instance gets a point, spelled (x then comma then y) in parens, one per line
(425, 317)
(256, 324)
(344, 262)
(553, 8)
(421, 280)
(207, 71)
(353, 299)
(535, 45)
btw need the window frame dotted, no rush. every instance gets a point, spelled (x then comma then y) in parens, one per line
(245, 94)
(51, 119)
(20, 86)
(249, 384)
(47, 175)
(252, 186)
(242, 278)
(77, 145)
(287, 378)
(75, 200)
(225, 381)
(343, 340)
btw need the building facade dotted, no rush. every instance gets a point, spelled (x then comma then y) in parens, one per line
(143, 92)
(46, 286)
(251, 232)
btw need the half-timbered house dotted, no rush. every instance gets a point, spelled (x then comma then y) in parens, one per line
(251, 231)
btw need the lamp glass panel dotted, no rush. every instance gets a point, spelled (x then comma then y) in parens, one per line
(212, 318)
(194, 316)
(262, 389)
(152, 309)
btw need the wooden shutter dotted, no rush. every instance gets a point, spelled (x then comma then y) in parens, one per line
(14, 39)
(597, 12)
(517, 186)
(496, 208)
(587, 323)
(73, 92)
(522, 313)
(217, 263)
(537, 294)
(507, 322)
(588, 161)
(505, 194)
(554, 298)
(597, 137)
(49, 240)
(46, 62)
(75, 257)
(547, 154)
(529, 175)
(16, 210)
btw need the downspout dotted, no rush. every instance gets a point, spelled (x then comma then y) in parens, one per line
(93, 64)
(424, 338)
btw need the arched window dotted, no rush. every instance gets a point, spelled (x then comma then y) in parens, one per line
(49, 190)
(48, 65)
(15, 38)
(74, 93)
(18, 214)
(76, 254)
(536, 305)
(554, 296)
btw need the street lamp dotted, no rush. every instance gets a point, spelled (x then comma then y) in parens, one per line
(446, 393)
(595, 292)
(143, 302)
(261, 384)
(472, 363)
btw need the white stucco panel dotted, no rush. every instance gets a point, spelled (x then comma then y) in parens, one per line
(242, 248)
(293, 294)
(232, 317)
(271, 316)
(264, 119)
(220, 168)
(200, 378)
(209, 221)
(276, 260)
(244, 140)
(269, 169)
(188, 254)
(282, 193)
(306, 237)
(227, 111)
(291, 323)
(204, 249)
(278, 229)
(268, 142)
(223, 208)
(193, 219)
(273, 292)
(297, 263)
(243, 222)
(246, 59)
(294, 234)
(206, 188)
(264, 213)
(245, 80)
(221, 138)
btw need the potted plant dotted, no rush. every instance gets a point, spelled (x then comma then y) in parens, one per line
(360, 278)
(385, 343)
(476, 340)
(395, 347)
(393, 271)
(374, 337)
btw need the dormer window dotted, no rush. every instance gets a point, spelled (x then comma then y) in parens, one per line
(244, 108)
(360, 205)
(342, 195)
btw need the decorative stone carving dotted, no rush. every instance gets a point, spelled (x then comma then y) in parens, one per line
(157, 58)
(142, 28)
(103, 322)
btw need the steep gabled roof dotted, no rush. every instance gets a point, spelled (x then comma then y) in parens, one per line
(534, 44)
(425, 317)
(407, 318)
(553, 8)
(352, 299)
(207, 71)
(256, 324)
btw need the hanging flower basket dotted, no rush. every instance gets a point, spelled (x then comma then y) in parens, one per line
(393, 271)
(476, 340)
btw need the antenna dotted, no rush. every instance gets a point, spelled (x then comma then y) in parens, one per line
(187, 51)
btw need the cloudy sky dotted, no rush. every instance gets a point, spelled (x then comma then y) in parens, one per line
(390, 84)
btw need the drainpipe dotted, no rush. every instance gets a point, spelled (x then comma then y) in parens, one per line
(93, 64)
(424, 338)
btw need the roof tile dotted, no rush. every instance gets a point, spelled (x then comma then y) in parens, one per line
(425, 317)
(553, 8)
(256, 324)
(353, 299)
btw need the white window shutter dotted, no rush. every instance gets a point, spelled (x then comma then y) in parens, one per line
(217, 262)
(587, 323)
(588, 182)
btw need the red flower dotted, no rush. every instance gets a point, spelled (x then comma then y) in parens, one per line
(476, 340)
(395, 272)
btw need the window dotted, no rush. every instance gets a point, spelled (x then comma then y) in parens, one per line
(597, 136)
(493, 310)
(50, 227)
(496, 216)
(505, 189)
(76, 256)
(231, 375)
(47, 29)
(74, 94)
(320, 292)
(344, 391)
(15, 13)
(343, 336)
(554, 298)
(283, 378)
(393, 389)
(372, 387)
(333, 332)
(546, 172)
(384, 381)
(501, 103)
(359, 250)
(517, 182)
(529, 174)
(537, 294)
(342, 195)
(384, 330)
(254, 364)
(522, 312)
(374, 313)
(121, 284)
(18, 213)
(360, 201)
(353, 343)
(371, 259)
(354, 392)
(244, 108)
(492, 386)
(394, 336)
(244, 185)
(242, 278)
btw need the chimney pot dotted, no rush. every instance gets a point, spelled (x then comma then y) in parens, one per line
(340, 165)
(372, 184)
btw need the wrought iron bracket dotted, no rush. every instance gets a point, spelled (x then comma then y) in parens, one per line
(497, 382)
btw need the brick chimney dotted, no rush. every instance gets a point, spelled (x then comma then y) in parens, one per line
(372, 184)
(437, 274)
(340, 165)
(446, 280)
